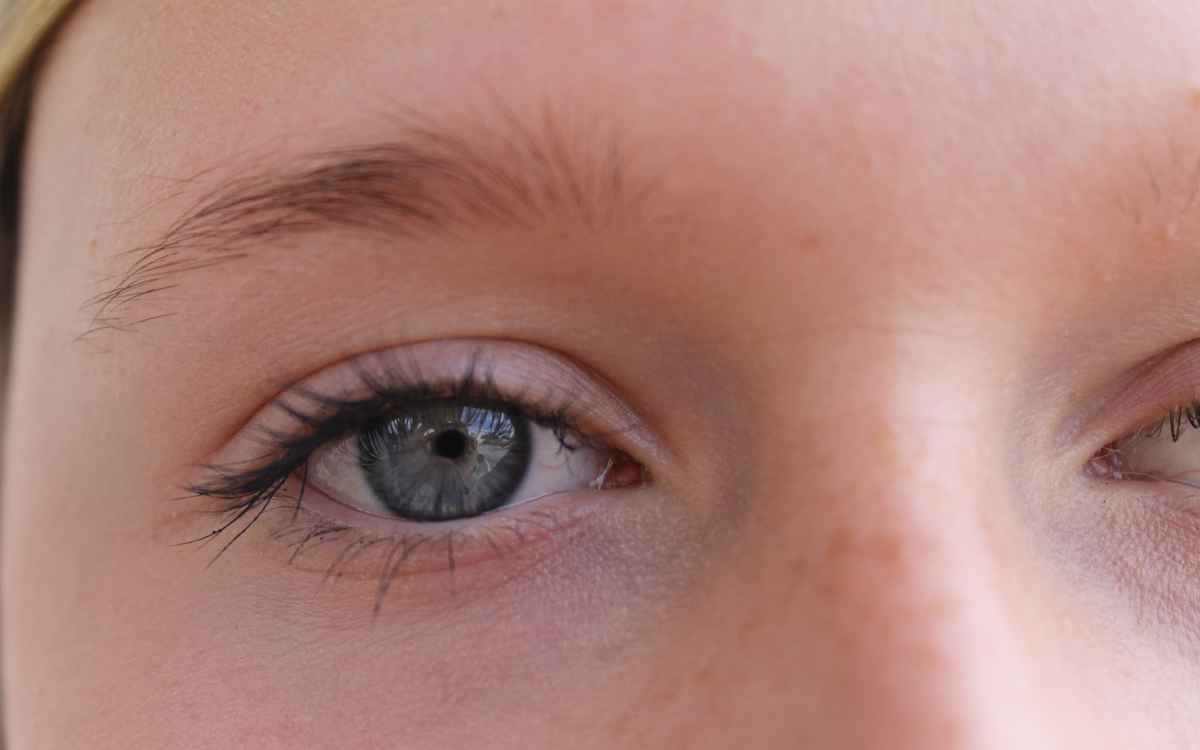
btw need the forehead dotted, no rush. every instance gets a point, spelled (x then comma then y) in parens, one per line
(953, 147)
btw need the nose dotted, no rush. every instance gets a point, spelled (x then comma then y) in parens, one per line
(895, 592)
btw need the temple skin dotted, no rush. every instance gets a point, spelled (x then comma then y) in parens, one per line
(876, 283)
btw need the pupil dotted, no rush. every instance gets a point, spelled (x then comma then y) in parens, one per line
(451, 444)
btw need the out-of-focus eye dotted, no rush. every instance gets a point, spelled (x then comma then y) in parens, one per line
(449, 459)
(1167, 451)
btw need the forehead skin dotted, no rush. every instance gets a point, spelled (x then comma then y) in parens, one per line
(1024, 140)
(858, 215)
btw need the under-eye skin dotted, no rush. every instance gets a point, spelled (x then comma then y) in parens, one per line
(428, 456)
(1139, 524)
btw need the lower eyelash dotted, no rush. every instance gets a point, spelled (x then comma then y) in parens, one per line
(394, 551)
(260, 499)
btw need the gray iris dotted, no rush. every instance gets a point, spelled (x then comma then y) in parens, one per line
(442, 460)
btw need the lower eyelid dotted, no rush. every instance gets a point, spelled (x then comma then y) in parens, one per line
(1147, 542)
(335, 542)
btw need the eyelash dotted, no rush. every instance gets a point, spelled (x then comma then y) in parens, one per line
(1174, 420)
(245, 493)
(1106, 464)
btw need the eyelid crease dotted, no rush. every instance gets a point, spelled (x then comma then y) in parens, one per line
(1141, 397)
(548, 388)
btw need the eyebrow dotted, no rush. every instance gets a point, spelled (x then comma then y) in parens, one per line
(428, 180)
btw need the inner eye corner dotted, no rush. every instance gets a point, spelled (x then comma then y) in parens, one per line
(1105, 464)
(1163, 450)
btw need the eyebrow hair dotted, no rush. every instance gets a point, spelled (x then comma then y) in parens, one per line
(428, 180)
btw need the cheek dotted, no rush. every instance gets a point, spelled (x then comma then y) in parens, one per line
(276, 653)
(1124, 573)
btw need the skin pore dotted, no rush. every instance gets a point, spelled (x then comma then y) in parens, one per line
(863, 292)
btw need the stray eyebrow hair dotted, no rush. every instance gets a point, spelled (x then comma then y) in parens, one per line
(430, 179)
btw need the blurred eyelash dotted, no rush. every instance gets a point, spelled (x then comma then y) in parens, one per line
(246, 490)
(1108, 462)
(1175, 420)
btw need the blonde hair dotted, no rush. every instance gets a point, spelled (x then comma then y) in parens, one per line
(24, 26)
(25, 29)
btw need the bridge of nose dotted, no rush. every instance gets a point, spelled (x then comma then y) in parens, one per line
(885, 570)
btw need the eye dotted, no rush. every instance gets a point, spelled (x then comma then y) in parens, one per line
(409, 459)
(1166, 451)
(450, 459)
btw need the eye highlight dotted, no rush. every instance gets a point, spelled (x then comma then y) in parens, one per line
(450, 445)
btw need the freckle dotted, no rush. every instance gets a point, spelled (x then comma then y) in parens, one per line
(664, 695)
(839, 544)
(799, 568)
(701, 677)
(748, 629)
(812, 241)
(886, 548)
(1162, 235)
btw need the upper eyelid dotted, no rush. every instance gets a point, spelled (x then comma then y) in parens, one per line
(1140, 397)
(522, 373)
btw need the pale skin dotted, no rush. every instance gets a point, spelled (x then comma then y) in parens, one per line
(875, 287)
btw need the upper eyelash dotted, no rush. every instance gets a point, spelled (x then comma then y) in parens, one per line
(1174, 419)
